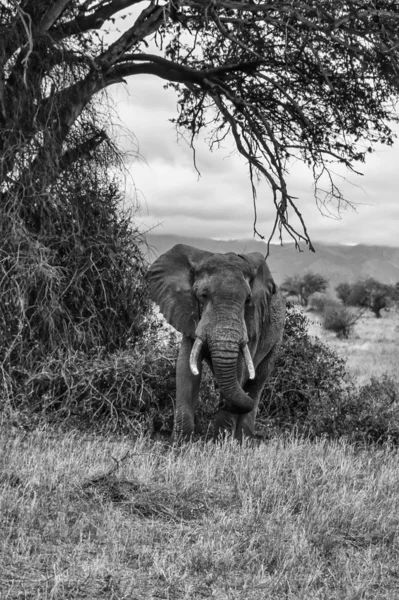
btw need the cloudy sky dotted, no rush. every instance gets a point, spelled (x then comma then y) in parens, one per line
(218, 204)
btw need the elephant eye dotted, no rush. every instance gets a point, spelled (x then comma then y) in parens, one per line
(248, 299)
(202, 296)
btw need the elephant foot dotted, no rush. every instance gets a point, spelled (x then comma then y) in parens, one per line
(225, 422)
(239, 426)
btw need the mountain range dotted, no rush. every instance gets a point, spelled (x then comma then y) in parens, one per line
(338, 263)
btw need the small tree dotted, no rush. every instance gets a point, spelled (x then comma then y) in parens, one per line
(371, 294)
(305, 285)
(340, 319)
(344, 291)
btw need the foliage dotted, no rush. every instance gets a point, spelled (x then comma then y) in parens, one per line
(288, 81)
(129, 389)
(73, 292)
(78, 281)
(318, 302)
(344, 291)
(340, 319)
(305, 369)
(133, 391)
(311, 394)
(372, 294)
(303, 286)
(368, 414)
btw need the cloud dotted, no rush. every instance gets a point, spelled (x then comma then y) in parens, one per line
(219, 203)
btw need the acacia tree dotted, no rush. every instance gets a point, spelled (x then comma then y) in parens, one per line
(303, 286)
(344, 291)
(372, 294)
(309, 80)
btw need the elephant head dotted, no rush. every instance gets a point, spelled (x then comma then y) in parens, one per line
(220, 301)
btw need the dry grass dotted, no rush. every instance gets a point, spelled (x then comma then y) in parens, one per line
(371, 350)
(99, 518)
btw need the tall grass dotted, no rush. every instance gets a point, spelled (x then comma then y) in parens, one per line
(86, 517)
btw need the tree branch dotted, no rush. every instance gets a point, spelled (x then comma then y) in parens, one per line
(148, 22)
(83, 23)
(51, 16)
(82, 150)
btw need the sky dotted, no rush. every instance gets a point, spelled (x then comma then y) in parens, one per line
(174, 199)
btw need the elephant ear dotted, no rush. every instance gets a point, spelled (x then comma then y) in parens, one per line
(262, 284)
(170, 280)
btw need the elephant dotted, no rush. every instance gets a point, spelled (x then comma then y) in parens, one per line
(231, 314)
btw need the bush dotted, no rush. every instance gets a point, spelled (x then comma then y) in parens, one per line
(367, 414)
(75, 284)
(129, 389)
(305, 370)
(133, 390)
(340, 319)
(73, 288)
(311, 394)
(318, 302)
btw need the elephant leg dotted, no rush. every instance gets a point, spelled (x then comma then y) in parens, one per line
(225, 421)
(254, 388)
(187, 390)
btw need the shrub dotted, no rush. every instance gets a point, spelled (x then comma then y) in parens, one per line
(129, 389)
(305, 369)
(73, 286)
(133, 390)
(318, 302)
(311, 394)
(78, 282)
(367, 414)
(340, 319)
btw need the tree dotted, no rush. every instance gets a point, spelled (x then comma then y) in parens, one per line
(340, 319)
(344, 291)
(314, 81)
(303, 286)
(371, 294)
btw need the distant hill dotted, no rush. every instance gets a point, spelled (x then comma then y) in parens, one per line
(336, 262)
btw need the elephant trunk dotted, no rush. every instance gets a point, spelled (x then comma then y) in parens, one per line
(224, 354)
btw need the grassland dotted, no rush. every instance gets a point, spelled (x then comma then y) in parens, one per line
(372, 348)
(98, 518)
(91, 517)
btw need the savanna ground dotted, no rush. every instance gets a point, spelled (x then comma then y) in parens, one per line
(372, 347)
(98, 517)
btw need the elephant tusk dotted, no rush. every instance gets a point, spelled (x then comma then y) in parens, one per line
(194, 356)
(248, 360)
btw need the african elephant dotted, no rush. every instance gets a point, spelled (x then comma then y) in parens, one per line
(222, 304)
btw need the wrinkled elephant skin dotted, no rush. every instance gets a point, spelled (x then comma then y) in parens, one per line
(231, 314)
